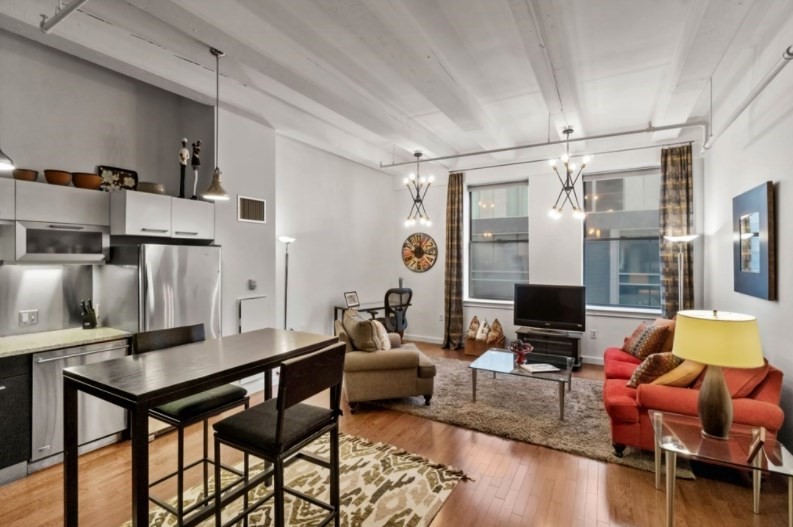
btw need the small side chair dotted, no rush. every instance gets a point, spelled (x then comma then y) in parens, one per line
(184, 412)
(278, 429)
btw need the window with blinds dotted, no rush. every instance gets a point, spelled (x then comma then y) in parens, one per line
(498, 243)
(621, 239)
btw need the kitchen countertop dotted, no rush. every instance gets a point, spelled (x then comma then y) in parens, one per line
(62, 338)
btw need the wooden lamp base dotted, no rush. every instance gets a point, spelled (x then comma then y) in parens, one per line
(715, 405)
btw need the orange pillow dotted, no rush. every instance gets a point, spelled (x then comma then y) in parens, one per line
(670, 337)
(682, 376)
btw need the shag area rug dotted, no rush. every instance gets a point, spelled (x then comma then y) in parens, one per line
(381, 486)
(526, 410)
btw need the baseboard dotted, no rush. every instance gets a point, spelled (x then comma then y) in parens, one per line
(592, 360)
(422, 338)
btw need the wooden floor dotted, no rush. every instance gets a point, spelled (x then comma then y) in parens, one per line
(513, 483)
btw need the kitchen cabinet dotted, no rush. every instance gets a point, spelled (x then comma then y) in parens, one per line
(57, 204)
(15, 410)
(192, 219)
(7, 199)
(140, 214)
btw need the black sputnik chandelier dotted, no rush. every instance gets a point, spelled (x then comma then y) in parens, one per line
(418, 186)
(568, 180)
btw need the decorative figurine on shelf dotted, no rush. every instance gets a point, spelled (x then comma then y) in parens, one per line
(196, 164)
(184, 156)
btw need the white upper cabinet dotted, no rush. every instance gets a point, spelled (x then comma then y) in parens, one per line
(57, 204)
(6, 199)
(192, 219)
(140, 214)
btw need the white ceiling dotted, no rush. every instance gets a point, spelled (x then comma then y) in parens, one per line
(374, 80)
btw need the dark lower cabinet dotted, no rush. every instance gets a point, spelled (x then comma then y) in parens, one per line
(15, 403)
(564, 343)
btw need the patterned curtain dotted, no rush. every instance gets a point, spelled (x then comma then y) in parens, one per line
(453, 283)
(677, 219)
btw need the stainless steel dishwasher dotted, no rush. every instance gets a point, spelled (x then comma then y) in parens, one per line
(98, 419)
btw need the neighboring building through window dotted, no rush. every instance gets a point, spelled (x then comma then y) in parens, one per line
(621, 239)
(498, 248)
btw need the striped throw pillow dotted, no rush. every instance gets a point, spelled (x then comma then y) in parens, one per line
(650, 341)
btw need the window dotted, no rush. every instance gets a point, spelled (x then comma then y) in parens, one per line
(621, 239)
(498, 248)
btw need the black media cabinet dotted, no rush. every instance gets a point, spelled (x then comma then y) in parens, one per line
(564, 343)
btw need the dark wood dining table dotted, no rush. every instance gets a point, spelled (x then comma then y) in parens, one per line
(140, 382)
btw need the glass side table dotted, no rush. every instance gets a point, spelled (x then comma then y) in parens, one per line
(681, 435)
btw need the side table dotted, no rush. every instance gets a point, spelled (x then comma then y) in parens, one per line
(682, 435)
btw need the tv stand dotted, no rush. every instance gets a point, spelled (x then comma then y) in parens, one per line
(553, 342)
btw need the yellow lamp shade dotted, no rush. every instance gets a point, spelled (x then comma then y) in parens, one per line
(718, 338)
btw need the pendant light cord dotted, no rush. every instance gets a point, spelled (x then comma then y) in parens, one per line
(217, 106)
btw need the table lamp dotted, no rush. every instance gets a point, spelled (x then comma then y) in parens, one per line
(717, 339)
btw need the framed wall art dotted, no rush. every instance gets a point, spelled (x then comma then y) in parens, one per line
(754, 242)
(351, 298)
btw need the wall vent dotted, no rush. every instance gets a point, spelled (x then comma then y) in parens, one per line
(253, 210)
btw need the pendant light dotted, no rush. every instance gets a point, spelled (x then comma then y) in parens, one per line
(418, 186)
(216, 192)
(568, 181)
(5, 162)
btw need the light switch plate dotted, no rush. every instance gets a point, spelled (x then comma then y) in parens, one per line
(28, 317)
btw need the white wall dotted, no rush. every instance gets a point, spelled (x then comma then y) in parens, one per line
(341, 215)
(247, 160)
(754, 150)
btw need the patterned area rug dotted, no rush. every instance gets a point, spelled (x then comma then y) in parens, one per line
(526, 410)
(381, 486)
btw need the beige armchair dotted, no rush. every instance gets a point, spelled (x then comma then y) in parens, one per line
(402, 371)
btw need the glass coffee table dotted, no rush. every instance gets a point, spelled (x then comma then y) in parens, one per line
(503, 361)
(681, 435)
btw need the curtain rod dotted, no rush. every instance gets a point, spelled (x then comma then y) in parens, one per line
(650, 129)
(595, 153)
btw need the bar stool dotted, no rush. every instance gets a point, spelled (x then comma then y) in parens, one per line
(187, 411)
(278, 429)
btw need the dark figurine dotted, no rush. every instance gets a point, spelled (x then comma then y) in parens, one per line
(196, 163)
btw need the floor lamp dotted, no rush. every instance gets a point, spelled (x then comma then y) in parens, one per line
(287, 240)
(681, 242)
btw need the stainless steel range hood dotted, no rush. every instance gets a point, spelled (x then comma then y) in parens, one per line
(53, 243)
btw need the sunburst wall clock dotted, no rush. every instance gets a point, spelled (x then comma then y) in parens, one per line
(419, 252)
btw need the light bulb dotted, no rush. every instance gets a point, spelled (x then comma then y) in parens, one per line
(555, 213)
(431, 179)
(412, 176)
(429, 223)
(423, 180)
(587, 159)
(552, 162)
(407, 223)
(405, 181)
(572, 166)
(565, 158)
(579, 214)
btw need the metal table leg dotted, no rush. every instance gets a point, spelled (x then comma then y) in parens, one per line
(473, 381)
(671, 469)
(139, 428)
(790, 501)
(561, 400)
(657, 466)
(70, 479)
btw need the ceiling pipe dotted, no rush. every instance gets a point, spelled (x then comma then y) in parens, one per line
(786, 57)
(61, 12)
(650, 129)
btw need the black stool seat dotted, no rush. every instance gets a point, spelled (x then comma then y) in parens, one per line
(195, 406)
(255, 428)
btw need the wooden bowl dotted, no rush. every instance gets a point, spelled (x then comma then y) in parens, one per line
(86, 180)
(58, 177)
(26, 174)
(151, 187)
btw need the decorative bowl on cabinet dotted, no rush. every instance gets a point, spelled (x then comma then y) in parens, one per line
(25, 174)
(58, 177)
(86, 180)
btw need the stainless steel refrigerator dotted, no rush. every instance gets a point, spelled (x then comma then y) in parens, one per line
(148, 287)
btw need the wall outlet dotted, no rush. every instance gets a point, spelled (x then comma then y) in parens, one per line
(28, 317)
(593, 334)
(440, 317)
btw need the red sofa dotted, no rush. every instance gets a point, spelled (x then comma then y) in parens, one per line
(757, 403)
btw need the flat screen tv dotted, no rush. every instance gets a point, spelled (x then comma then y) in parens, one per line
(560, 307)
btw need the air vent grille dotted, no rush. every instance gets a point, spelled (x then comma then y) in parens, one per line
(253, 210)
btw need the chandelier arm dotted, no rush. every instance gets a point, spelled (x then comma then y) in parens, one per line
(425, 191)
(558, 198)
(578, 176)
(577, 202)
(558, 175)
